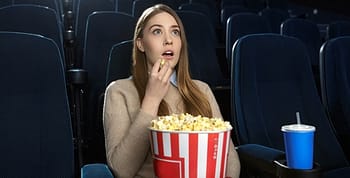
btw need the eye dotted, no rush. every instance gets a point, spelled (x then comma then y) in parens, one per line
(176, 32)
(157, 31)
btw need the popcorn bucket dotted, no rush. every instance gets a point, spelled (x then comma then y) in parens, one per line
(190, 154)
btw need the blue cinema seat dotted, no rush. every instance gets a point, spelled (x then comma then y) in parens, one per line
(308, 32)
(35, 124)
(275, 18)
(83, 8)
(53, 4)
(103, 30)
(29, 18)
(123, 6)
(241, 24)
(202, 43)
(272, 80)
(139, 6)
(338, 28)
(335, 86)
(120, 61)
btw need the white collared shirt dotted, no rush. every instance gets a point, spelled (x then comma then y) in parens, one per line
(173, 79)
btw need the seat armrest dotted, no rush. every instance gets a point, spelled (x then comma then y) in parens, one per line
(271, 161)
(77, 76)
(96, 170)
(284, 171)
(259, 158)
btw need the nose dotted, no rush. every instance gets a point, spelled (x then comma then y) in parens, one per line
(168, 40)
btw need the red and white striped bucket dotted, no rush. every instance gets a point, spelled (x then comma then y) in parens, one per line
(196, 154)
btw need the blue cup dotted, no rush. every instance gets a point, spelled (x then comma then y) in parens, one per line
(299, 145)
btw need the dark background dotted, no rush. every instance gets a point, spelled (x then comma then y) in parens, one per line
(337, 6)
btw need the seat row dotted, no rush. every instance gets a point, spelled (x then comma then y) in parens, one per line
(93, 88)
(268, 87)
(277, 80)
(307, 31)
(86, 84)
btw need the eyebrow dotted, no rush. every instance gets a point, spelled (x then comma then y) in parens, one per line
(158, 25)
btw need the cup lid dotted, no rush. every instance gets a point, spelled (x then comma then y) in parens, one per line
(298, 128)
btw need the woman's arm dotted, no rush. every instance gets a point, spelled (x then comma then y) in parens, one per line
(126, 133)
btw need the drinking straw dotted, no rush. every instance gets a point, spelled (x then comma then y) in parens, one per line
(298, 118)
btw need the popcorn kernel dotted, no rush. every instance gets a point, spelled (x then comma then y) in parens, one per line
(187, 122)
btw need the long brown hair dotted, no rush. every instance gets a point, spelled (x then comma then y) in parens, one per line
(195, 101)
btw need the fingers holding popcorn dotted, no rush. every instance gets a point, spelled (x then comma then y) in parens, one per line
(162, 70)
(162, 62)
(157, 86)
(159, 65)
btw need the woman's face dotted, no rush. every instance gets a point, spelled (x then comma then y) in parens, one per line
(161, 40)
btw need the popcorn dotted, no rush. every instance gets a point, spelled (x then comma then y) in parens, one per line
(162, 62)
(187, 122)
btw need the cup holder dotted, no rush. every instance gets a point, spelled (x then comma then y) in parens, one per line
(283, 171)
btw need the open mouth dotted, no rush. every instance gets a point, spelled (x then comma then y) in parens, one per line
(168, 54)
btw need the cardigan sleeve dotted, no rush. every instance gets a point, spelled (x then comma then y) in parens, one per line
(126, 133)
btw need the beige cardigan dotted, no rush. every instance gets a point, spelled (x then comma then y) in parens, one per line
(126, 134)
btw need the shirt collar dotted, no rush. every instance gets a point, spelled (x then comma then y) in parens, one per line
(173, 79)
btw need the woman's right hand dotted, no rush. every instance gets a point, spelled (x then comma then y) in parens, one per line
(157, 87)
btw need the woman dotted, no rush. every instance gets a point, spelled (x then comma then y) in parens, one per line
(160, 85)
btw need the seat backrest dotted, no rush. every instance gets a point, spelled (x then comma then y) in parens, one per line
(32, 19)
(338, 28)
(120, 61)
(139, 6)
(257, 5)
(241, 24)
(271, 84)
(309, 33)
(124, 6)
(83, 9)
(174, 3)
(226, 3)
(306, 31)
(275, 18)
(201, 38)
(228, 11)
(209, 11)
(335, 85)
(53, 4)
(35, 124)
(103, 30)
